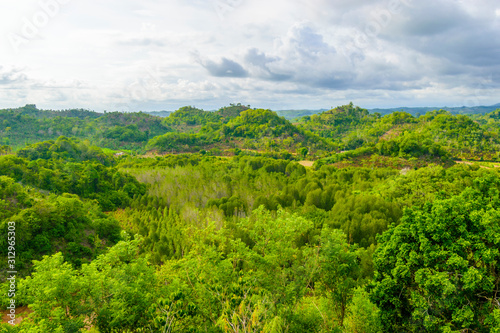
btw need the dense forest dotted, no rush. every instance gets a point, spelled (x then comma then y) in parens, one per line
(239, 220)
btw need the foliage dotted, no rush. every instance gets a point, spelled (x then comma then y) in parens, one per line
(190, 116)
(178, 142)
(64, 148)
(69, 166)
(438, 270)
(113, 130)
(45, 224)
(362, 314)
(114, 292)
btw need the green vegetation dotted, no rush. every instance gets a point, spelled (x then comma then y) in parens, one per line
(437, 135)
(115, 130)
(69, 166)
(46, 223)
(230, 230)
(438, 270)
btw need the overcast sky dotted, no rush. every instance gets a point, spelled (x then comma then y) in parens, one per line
(160, 55)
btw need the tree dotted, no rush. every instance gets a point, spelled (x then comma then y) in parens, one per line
(438, 270)
(303, 152)
(50, 292)
(248, 283)
(363, 315)
(339, 271)
(116, 292)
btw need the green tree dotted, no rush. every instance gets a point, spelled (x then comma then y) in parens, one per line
(303, 152)
(339, 271)
(438, 270)
(51, 292)
(116, 293)
(362, 314)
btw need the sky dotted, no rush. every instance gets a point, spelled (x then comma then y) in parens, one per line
(124, 55)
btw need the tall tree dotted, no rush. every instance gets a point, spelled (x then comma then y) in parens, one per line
(438, 270)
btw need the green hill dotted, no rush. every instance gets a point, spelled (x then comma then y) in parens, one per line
(114, 130)
(241, 128)
(236, 128)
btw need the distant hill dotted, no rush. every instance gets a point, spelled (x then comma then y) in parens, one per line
(454, 110)
(162, 114)
(293, 114)
(437, 134)
(234, 127)
(30, 110)
(227, 111)
(115, 130)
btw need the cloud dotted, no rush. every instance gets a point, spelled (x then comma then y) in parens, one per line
(260, 63)
(142, 42)
(449, 30)
(11, 76)
(419, 45)
(303, 57)
(304, 41)
(224, 68)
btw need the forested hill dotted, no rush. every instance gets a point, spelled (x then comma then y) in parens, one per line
(113, 130)
(454, 110)
(343, 133)
(32, 111)
(437, 134)
(415, 111)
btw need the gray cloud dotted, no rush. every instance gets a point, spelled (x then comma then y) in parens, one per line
(450, 30)
(260, 63)
(224, 68)
(304, 57)
(307, 42)
(430, 18)
(423, 44)
(11, 76)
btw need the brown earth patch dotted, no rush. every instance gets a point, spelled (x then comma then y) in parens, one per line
(306, 163)
(21, 313)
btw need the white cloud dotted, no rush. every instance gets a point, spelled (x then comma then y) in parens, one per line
(280, 54)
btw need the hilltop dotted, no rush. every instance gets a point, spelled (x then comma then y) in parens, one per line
(415, 111)
(344, 133)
